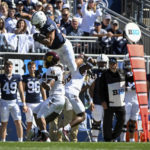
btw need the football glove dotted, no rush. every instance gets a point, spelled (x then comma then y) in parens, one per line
(38, 36)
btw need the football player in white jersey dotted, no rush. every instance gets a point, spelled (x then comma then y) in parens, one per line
(131, 103)
(51, 108)
(72, 90)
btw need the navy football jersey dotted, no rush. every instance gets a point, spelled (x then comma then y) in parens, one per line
(9, 86)
(32, 89)
(50, 26)
(98, 72)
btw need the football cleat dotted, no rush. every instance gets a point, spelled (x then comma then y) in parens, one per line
(65, 134)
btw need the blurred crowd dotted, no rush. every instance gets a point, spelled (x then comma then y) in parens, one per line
(89, 20)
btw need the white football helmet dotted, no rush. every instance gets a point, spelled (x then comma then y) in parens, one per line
(127, 64)
(38, 18)
(102, 61)
(102, 58)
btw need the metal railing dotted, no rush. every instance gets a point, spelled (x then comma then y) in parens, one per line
(138, 11)
(39, 56)
(123, 21)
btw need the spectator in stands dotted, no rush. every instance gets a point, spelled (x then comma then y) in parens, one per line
(38, 6)
(21, 27)
(49, 11)
(11, 21)
(98, 31)
(90, 14)
(114, 28)
(117, 39)
(62, 29)
(66, 20)
(19, 6)
(44, 3)
(27, 5)
(66, 6)
(31, 10)
(106, 22)
(4, 10)
(2, 26)
(58, 8)
(20, 12)
(74, 29)
(104, 40)
(79, 14)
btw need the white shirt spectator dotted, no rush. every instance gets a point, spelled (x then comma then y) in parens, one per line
(89, 17)
(10, 24)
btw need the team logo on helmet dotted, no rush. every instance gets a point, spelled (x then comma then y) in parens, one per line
(51, 59)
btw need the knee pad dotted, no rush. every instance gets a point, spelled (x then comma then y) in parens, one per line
(96, 125)
(132, 126)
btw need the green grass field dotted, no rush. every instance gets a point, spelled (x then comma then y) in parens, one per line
(73, 146)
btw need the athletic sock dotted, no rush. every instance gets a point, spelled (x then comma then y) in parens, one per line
(20, 139)
(67, 127)
(132, 140)
(44, 131)
(3, 140)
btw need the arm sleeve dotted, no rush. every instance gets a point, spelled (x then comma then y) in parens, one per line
(98, 12)
(84, 8)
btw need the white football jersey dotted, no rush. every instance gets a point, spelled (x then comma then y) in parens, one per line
(75, 84)
(58, 87)
(130, 94)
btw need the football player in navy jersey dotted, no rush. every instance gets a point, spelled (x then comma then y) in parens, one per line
(9, 83)
(31, 86)
(52, 37)
(97, 111)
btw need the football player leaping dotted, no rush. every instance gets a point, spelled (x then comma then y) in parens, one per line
(52, 37)
(72, 90)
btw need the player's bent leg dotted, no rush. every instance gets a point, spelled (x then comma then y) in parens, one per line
(68, 55)
(97, 115)
(74, 130)
(51, 117)
(78, 119)
(95, 130)
(29, 127)
(53, 131)
(123, 134)
(4, 131)
(19, 130)
(132, 126)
